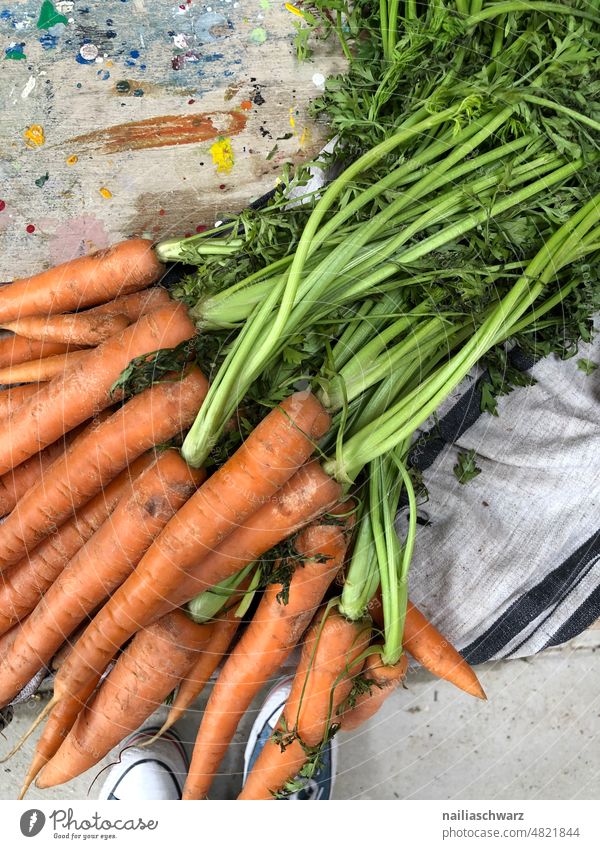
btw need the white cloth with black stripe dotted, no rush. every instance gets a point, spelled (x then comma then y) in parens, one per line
(509, 563)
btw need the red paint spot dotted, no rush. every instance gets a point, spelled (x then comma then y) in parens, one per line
(187, 235)
(30, 228)
(161, 212)
(246, 104)
(191, 101)
(2, 205)
(201, 228)
(222, 186)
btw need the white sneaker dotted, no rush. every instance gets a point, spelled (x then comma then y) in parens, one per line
(146, 774)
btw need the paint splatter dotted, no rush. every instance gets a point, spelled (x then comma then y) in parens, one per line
(15, 51)
(319, 81)
(71, 160)
(30, 228)
(49, 17)
(48, 41)
(246, 104)
(294, 10)
(182, 59)
(41, 181)
(258, 35)
(28, 88)
(2, 205)
(88, 53)
(163, 131)
(222, 155)
(106, 193)
(292, 119)
(34, 136)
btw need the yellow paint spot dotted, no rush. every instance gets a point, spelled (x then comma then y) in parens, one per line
(305, 137)
(294, 10)
(222, 155)
(71, 160)
(292, 119)
(106, 193)
(34, 136)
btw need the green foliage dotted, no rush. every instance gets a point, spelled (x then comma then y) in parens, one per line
(466, 469)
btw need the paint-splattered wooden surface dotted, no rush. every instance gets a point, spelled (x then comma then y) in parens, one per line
(143, 117)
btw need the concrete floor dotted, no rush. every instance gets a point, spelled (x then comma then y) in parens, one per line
(538, 737)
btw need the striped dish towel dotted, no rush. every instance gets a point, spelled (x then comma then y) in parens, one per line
(509, 563)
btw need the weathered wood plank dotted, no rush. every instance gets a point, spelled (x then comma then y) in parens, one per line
(142, 117)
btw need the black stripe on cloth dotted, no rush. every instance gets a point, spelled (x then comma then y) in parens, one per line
(586, 614)
(545, 595)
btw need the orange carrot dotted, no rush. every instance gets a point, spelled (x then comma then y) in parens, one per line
(223, 631)
(134, 306)
(144, 675)
(126, 267)
(382, 681)
(74, 397)
(264, 646)
(41, 371)
(16, 349)
(23, 584)
(99, 567)
(330, 658)
(96, 456)
(75, 329)
(432, 650)
(61, 718)
(268, 458)
(14, 484)
(12, 398)
(308, 494)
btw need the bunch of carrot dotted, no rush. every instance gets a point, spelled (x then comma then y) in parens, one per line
(108, 534)
(131, 566)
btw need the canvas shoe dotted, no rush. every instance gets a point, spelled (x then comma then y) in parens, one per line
(318, 788)
(146, 774)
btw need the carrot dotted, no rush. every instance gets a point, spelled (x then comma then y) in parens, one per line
(95, 457)
(24, 583)
(144, 675)
(432, 650)
(77, 329)
(12, 398)
(223, 631)
(40, 371)
(72, 398)
(330, 658)
(126, 267)
(61, 718)
(14, 484)
(17, 349)
(268, 458)
(264, 646)
(381, 682)
(99, 567)
(134, 306)
(308, 494)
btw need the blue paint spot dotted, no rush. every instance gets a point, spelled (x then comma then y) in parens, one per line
(104, 75)
(135, 54)
(110, 33)
(48, 41)
(5, 15)
(143, 67)
(138, 92)
(130, 63)
(79, 58)
(15, 51)
(213, 57)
